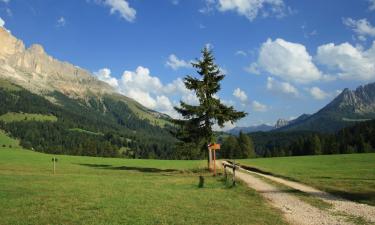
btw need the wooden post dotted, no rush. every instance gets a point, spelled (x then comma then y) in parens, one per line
(214, 162)
(234, 173)
(209, 158)
(54, 160)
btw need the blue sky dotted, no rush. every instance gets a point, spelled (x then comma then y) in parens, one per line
(282, 58)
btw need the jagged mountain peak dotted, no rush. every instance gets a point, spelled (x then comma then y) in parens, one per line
(36, 49)
(349, 107)
(358, 101)
(35, 70)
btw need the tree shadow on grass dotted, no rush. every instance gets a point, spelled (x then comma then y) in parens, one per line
(129, 168)
(94, 165)
(343, 178)
(365, 197)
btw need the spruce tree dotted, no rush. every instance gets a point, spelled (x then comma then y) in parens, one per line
(246, 145)
(197, 122)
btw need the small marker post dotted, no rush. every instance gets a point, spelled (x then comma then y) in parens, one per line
(54, 160)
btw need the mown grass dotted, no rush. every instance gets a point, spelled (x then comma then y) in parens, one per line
(6, 141)
(88, 190)
(350, 176)
(17, 117)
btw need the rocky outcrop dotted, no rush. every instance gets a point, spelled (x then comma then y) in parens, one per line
(281, 123)
(38, 72)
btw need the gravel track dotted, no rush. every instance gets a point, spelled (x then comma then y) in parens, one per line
(297, 211)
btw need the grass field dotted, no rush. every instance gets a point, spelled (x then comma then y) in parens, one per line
(79, 130)
(350, 176)
(87, 190)
(16, 117)
(6, 141)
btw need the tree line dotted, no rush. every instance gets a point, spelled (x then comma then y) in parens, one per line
(355, 139)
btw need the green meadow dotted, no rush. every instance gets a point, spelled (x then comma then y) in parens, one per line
(351, 176)
(7, 142)
(17, 117)
(92, 190)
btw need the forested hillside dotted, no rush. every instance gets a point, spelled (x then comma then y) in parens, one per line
(356, 139)
(94, 126)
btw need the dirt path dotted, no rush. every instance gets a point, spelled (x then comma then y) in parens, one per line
(339, 205)
(295, 210)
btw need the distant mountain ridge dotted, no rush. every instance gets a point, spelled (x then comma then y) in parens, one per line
(346, 109)
(262, 127)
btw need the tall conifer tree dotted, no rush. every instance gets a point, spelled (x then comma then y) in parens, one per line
(198, 120)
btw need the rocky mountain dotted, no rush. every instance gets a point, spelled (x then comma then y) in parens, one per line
(346, 109)
(262, 127)
(36, 71)
(281, 123)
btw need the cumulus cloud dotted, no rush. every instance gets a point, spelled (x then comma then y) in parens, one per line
(227, 126)
(362, 28)
(287, 60)
(318, 93)
(61, 22)
(148, 90)
(123, 8)
(253, 69)
(241, 53)
(2, 22)
(208, 7)
(347, 61)
(175, 63)
(281, 87)
(259, 107)
(240, 94)
(105, 75)
(253, 8)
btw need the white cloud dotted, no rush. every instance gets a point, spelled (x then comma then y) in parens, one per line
(149, 90)
(252, 8)
(175, 63)
(208, 7)
(348, 62)
(259, 107)
(362, 28)
(61, 22)
(105, 75)
(227, 126)
(281, 87)
(123, 8)
(253, 69)
(318, 93)
(164, 105)
(5, 1)
(240, 94)
(2, 22)
(287, 60)
(241, 53)
(372, 5)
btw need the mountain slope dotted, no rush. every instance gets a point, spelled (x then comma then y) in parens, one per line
(346, 109)
(122, 132)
